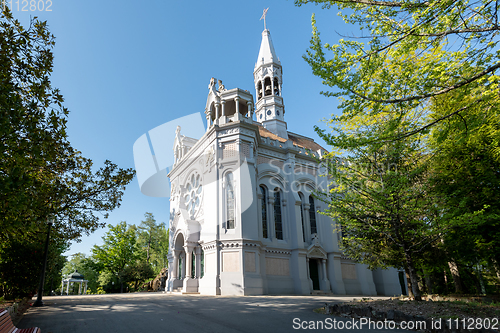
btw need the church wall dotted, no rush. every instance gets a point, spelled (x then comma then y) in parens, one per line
(335, 274)
(210, 218)
(253, 282)
(387, 281)
(231, 272)
(299, 272)
(278, 275)
(358, 279)
(209, 284)
(271, 176)
(248, 199)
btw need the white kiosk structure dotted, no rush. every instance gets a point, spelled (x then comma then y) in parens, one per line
(74, 277)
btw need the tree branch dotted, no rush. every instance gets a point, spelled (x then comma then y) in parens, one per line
(440, 92)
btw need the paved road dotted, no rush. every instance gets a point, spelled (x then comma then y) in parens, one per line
(148, 312)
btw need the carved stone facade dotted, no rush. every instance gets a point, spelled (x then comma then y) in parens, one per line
(244, 220)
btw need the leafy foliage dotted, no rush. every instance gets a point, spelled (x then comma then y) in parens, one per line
(152, 238)
(42, 177)
(130, 255)
(21, 263)
(410, 53)
(418, 87)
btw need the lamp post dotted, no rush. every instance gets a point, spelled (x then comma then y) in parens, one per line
(39, 301)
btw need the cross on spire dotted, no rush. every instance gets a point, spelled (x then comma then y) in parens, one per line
(264, 17)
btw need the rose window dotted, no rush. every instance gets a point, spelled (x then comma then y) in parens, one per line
(193, 196)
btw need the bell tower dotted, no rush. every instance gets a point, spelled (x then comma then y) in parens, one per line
(267, 76)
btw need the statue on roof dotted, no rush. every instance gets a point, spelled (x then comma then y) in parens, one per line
(221, 86)
(212, 83)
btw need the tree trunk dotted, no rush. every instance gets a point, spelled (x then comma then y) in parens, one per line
(413, 276)
(497, 268)
(446, 290)
(454, 271)
(421, 282)
(428, 282)
(149, 245)
(456, 276)
(482, 289)
(408, 282)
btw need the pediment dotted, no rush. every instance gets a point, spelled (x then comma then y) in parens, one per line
(315, 250)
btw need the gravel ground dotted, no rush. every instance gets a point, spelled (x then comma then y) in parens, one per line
(437, 309)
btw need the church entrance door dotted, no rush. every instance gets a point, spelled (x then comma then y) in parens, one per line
(314, 273)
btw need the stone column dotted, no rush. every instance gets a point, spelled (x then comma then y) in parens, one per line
(207, 115)
(236, 101)
(217, 114)
(323, 262)
(80, 288)
(198, 262)
(250, 110)
(183, 273)
(309, 275)
(175, 268)
(272, 86)
(189, 253)
(62, 287)
(307, 223)
(223, 107)
(271, 232)
(251, 151)
(67, 289)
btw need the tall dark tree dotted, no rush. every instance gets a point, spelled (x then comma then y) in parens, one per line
(42, 177)
(153, 240)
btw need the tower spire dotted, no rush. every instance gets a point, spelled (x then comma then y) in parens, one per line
(268, 82)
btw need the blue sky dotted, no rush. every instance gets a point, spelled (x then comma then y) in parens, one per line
(125, 67)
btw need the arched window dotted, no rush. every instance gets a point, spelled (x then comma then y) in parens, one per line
(276, 87)
(202, 264)
(312, 215)
(302, 217)
(180, 268)
(229, 201)
(267, 86)
(259, 90)
(193, 265)
(263, 205)
(278, 222)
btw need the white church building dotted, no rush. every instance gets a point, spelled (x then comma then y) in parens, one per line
(244, 220)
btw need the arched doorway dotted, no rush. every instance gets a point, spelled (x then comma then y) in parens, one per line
(179, 269)
(314, 273)
(317, 264)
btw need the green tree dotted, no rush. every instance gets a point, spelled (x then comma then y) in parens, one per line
(42, 177)
(137, 272)
(379, 196)
(410, 53)
(430, 65)
(465, 182)
(21, 263)
(117, 252)
(153, 240)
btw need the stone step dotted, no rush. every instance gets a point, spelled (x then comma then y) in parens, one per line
(322, 293)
